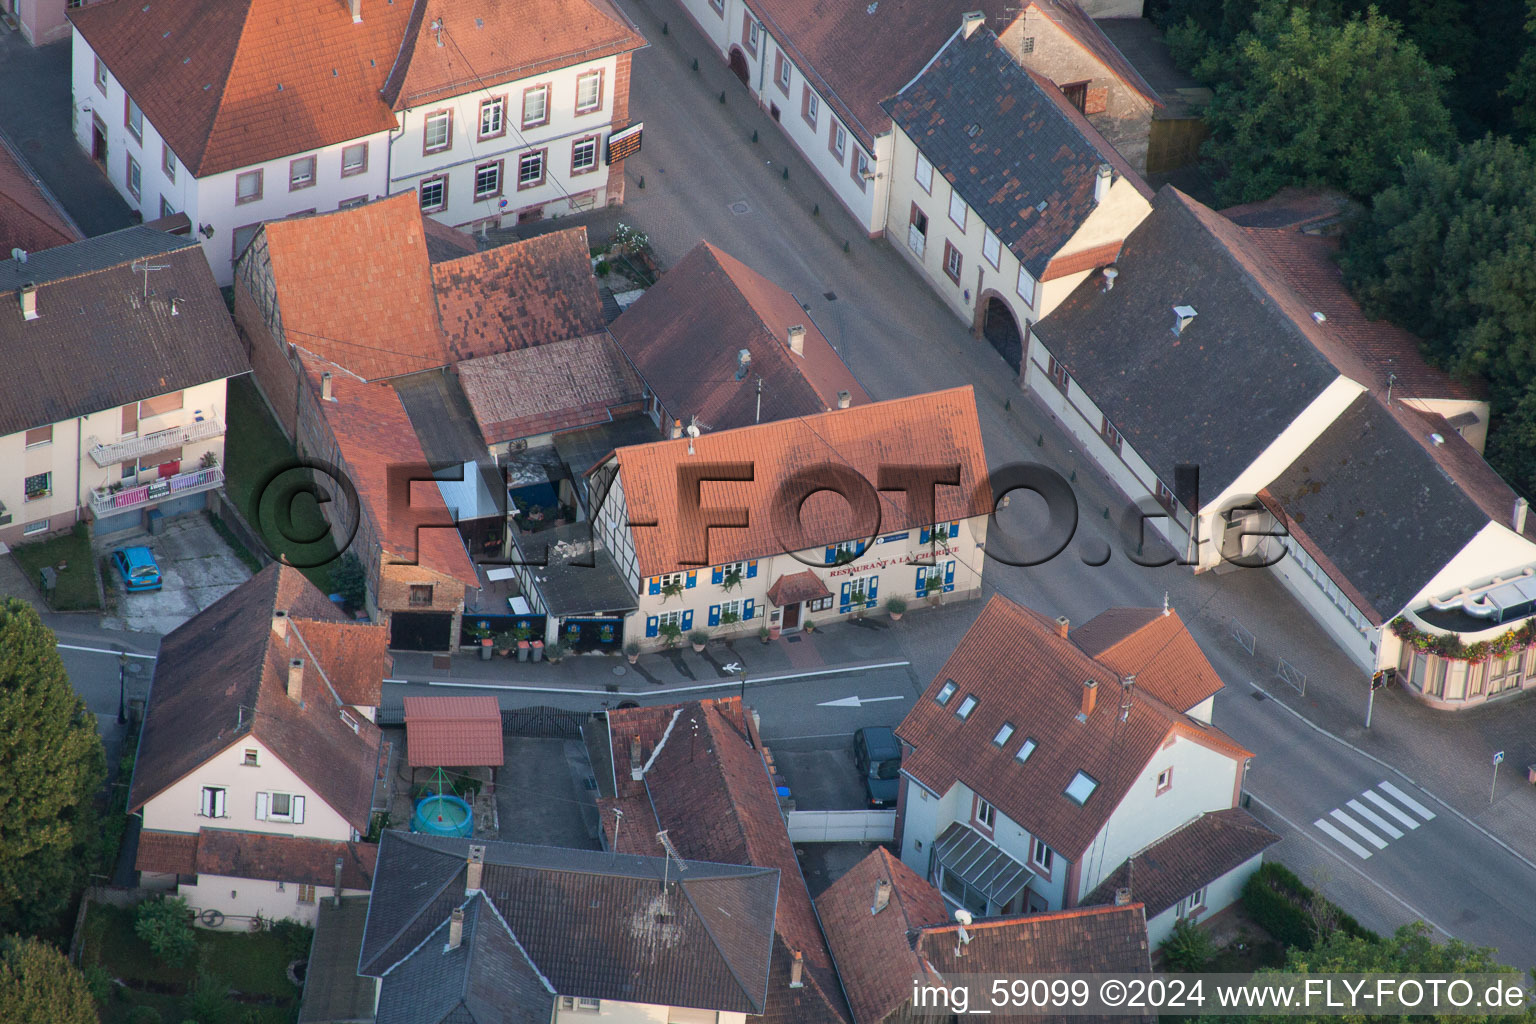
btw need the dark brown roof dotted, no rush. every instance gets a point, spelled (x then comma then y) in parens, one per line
(1076, 23)
(97, 343)
(873, 951)
(710, 789)
(445, 243)
(223, 676)
(291, 859)
(684, 336)
(561, 385)
(167, 852)
(1022, 672)
(795, 587)
(1188, 858)
(453, 732)
(30, 218)
(1293, 208)
(1155, 646)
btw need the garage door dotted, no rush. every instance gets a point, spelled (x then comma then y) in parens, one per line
(420, 631)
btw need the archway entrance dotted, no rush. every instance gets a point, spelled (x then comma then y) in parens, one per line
(1002, 330)
(739, 67)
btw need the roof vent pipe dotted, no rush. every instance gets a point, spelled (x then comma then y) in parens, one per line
(882, 896)
(1521, 508)
(325, 387)
(844, 399)
(743, 360)
(1183, 316)
(1101, 184)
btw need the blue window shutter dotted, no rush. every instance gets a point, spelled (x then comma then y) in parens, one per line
(949, 576)
(714, 615)
(831, 555)
(923, 535)
(843, 597)
(655, 585)
(717, 574)
(954, 529)
(874, 585)
(746, 607)
(652, 625)
(687, 618)
(752, 568)
(693, 578)
(922, 580)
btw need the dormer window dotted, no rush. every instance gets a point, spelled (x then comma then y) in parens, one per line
(1003, 734)
(945, 692)
(966, 707)
(1081, 788)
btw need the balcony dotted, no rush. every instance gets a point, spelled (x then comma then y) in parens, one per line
(107, 502)
(135, 447)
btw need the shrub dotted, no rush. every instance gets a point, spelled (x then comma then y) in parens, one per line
(632, 648)
(1282, 905)
(1188, 948)
(165, 925)
(602, 269)
(698, 636)
(208, 1001)
(296, 938)
(349, 580)
(670, 633)
(145, 1015)
(896, 606)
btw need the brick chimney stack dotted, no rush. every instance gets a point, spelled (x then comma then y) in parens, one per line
(456, 920)
(280, 623)
(1090, 696)
(1063, 626)
(797, 339)
(296, 680)
(882, 896)
(475, 869)
(796, 969)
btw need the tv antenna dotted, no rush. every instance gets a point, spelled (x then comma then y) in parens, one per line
(692, 432)
(618, 819)
(672, 855)
(145, 266)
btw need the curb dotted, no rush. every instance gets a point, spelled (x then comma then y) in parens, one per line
(746, 679)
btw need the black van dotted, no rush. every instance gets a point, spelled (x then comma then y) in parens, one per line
(877, 755)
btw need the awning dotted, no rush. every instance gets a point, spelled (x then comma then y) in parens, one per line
(982, 864)
(796, 587)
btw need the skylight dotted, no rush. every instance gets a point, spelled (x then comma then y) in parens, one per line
(1003, 734)
(966, 706)
(945, 692)
(1081, 787)
(1025, 749)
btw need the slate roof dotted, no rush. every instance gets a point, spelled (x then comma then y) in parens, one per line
(1076, 23)
(293, 859)
(223, 675)
(30, 217)
(935, 429)
(230, 83)
(1022, 672)
(1156, 647)
(453, 732)
(562, 385)
(333, 990)
(97, 343)
(588, 924)
(1008, 141)
(685, 333)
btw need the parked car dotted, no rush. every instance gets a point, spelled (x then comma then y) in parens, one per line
(877, 756)
(138, 568)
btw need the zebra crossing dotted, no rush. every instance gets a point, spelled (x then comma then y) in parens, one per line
(1367, 823)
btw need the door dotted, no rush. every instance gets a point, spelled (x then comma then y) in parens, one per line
(792, 616)
(98, 140)
(739, 67)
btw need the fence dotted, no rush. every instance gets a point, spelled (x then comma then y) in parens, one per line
(1293, 675)
(842, 826)
(543, 723)
(1241, 634)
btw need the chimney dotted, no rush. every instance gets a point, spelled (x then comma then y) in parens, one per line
(339, 865)
(325, 387)
(677, 429)
(844, 399)
(296, 680)
(28, 296)
(1090, 696)
(1183, 316)
(475, 869)
(797, 339)
(356, 7)
(1063, 626)
(636, 763)
(280, 623)
(456, 919)
(1122, 897)
(1521, 508)
(882, 896)
(1101, 184)
(796, 967)
(970, 21)
(743, 360)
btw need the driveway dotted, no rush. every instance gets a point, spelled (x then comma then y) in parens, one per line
(196, 567)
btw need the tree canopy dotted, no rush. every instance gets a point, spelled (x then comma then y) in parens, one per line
(38, 984)
(51, 764)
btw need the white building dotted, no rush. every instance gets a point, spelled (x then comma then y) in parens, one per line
(489, 113)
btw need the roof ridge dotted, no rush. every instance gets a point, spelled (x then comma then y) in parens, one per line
(517, 942)
(708, 930)
(228, 71)
(785, 355)
(406, 837)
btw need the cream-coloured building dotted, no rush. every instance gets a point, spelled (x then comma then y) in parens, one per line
(119, 351)
(1001, 192)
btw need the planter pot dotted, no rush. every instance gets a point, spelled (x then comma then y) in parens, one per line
(522, 650)
(505, 652)
(698, 647)
(773, 634)
(538, 650)
(486, 650)
(633, 658)
(896, 616)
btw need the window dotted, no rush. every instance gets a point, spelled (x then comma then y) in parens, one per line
(584, 155)
(670, 619)
(1504, 673)
(846, 551)
(580, 1003)
(1026, 287)
(166, 209)
(250, 760)
(924, 173)
(354, 201)
(240, 238)
(966, 707)
(39, 437)
(535, 111)
(1081, 787)
(733, 568)
(212, 805)
(751, 33)
(589, 92)
(41, 526)
(437, 134)
(1189, 904)
(421, 593)
(1110, 435)
(160, 404)
(168, 163)
(945, 692)
(719, 6)
(488, 180)
(133, 118)
(1003, 732)
(1077, 95)
(952, 262)
(991, 248)
(730, 608)
(957, 209)
(986, 814)
(130, 469)
(1165, 497)
(101, 76)
(1059, 376)
(301, 173)
(306, 893)
(135, 177)
(280, 807)
(861, 171)
(810, 105)
(530, 169)
(917, 231)
(782, 73)
(38, 486)
(434, 192)
(354, 159)
(671, 579)
(1040, 855)
(248, 186)
(1164, 781)
(819, 606)
(1025, 749)
(1027, 44)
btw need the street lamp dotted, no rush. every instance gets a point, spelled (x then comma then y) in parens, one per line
(122, 687)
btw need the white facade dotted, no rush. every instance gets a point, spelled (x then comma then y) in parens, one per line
(242, 899)
(1216, 897)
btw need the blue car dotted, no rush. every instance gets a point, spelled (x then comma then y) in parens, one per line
(137, 568)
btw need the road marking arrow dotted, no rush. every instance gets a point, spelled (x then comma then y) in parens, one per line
(853, 702)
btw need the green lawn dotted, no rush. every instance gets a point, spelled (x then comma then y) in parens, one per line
(77, 583)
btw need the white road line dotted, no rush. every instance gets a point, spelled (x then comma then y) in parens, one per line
(1391, 808)
(1355, 826)
(1343, 839)
(1374, 818)
(1414, 805)
(99, 650)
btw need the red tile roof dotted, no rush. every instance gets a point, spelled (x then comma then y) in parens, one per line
(167, 852)
(795, 587)
(453, 732)
(1188, 858)
(1157, 648)
(292, 859)
(30, 219)
(937, 429)
(1084, 259)
(549, 388)
(1076, 23)
(1022, 672)
(684, 336)
(354, 655)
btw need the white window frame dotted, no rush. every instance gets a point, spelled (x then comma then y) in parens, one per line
(488, 193)
(839, 140)
(596, 78)
(966, 706)
(786, 72)
(946, 692)
(812, 107)
(1034, 287)
(986, 814)
(1189, 904)
(528, 121)
(46, 492)
(754, 34)
(441, 181)
(1025, 749)
(133, 120)
(135, 177)
(168, 162)
(297, 181)
(673, 617)
(438, 119)
(922, 173)
(35, 527)
(1040, 855)
(956, 203)
(954, 260)
(670, 578)
(101, 75)
(258, 176)
(992, 248)
(213, 802)
(1082, 783)
(588, 143)
(537, 156)
(1004, 733)
(348, 170)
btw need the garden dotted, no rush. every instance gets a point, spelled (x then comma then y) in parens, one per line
(69, 555)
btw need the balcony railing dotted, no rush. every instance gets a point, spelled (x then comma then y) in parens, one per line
(135, 447)
(105, 502)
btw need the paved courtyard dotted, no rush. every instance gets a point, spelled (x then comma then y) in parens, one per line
(196, 567)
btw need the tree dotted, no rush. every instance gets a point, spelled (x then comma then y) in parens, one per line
(37, 983)
(1300, 100)
(51, 763)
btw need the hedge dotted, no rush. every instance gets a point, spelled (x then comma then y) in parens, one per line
(1277, 901)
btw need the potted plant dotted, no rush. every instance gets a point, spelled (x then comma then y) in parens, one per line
(504, 642)
(555, 652)
(671, 633)
(732, 580)
(809, 626)
(896, 606)
(698, 638)
(762, 633)
(856, 599)
(632, 652)
(729, 618)
(210, 459)
(536, 648)
(481, 632)
(670, 590)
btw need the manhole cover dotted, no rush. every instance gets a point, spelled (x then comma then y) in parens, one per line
(620, 670)
(739, 208)
(829, 296)
(1258, 695)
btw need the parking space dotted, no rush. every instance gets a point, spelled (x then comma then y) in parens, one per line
(196, 569)
(822, 780)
